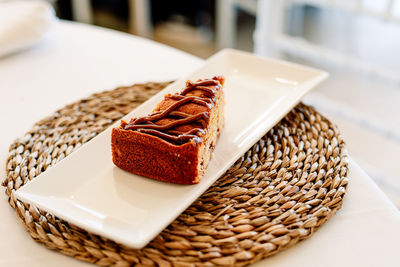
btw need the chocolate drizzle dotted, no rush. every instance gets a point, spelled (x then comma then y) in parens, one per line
(148, 124)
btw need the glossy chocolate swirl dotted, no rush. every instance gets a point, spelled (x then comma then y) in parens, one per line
(148, 124)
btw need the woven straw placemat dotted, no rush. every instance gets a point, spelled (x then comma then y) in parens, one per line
(277, 194)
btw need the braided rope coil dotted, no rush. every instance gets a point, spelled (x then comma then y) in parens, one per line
(277, 194)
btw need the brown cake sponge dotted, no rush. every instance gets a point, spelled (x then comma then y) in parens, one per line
(175, 143)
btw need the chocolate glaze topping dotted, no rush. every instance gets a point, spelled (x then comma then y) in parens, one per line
(148, 124)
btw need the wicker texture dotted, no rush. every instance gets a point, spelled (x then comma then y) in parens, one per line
(277, 194)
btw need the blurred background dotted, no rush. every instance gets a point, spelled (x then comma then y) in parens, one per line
(357, 41)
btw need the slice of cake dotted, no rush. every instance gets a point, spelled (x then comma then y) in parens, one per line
(175, 142)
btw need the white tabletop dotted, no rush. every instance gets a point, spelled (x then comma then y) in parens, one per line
(76, 60)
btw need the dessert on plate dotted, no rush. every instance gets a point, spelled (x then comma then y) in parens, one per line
(174, 143)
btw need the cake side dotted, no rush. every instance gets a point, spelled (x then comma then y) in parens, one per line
(150, 156)
(215, 125)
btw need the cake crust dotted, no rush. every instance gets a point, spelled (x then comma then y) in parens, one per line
(175, 142)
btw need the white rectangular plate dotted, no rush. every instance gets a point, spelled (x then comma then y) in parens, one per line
(87, 190)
